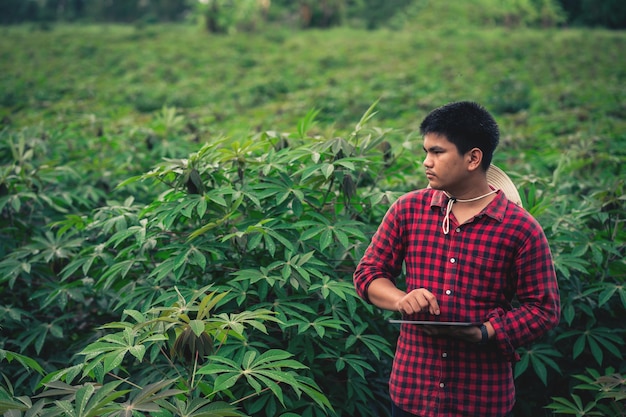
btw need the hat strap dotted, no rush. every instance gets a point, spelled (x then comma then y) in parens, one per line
(445, 226)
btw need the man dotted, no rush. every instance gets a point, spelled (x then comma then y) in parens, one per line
(467, 253)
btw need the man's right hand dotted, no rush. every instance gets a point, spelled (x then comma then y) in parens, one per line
(417, 301)
(384, 294)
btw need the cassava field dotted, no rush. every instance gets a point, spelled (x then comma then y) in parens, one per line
(181, 212)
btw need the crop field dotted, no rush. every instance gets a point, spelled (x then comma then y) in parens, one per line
(134, 172)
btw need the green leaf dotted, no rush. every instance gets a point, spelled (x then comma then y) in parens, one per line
(25, 361)
(522, 365)
(225, 381)
(579, 347)
(305, 124)
(327, 170)
(113, 360)
(326, 239)
(540, 369)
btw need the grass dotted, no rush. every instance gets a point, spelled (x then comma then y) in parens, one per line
(554, 92)
(541, 83)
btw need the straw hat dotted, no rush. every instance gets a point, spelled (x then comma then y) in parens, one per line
(500, 181)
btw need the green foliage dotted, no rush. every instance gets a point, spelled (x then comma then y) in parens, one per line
(609, 395)
(227, 16)
(272, 222)
(607, 13)
(160, 227)
(504, 13)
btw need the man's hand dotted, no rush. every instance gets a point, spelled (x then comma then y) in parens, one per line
(384, 294)
(417, 301)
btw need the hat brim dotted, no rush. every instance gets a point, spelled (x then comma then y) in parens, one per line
(500, 181)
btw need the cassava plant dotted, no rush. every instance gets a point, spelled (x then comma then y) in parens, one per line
(273, 225)
(588, 240)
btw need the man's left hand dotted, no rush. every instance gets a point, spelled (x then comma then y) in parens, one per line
(470, 333)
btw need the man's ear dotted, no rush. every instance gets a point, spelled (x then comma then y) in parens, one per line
(474, 158)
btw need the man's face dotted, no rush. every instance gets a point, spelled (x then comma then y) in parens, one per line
(445, 167)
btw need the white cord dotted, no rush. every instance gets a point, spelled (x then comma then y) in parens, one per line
(451, 200)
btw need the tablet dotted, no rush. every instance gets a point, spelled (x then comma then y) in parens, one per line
(436, 323)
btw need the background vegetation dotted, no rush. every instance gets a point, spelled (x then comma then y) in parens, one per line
(312, 13)
(181, 212)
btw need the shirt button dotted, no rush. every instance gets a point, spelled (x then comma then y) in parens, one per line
(452, 260)
(458, 229)
(444, 355)
(448, 292)
(441, 385)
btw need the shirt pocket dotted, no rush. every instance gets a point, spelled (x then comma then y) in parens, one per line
(484, 278)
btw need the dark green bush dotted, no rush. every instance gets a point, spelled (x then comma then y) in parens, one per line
(272, 224)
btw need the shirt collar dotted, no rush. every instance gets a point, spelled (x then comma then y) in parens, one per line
(495, 209)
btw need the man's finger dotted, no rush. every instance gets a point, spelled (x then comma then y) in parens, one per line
(426, 300)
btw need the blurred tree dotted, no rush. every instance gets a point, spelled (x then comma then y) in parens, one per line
(377, 12)
(322, 13)
(310, 13)
(227, 16)
(170, 10)
(607, 13)
(16, 11)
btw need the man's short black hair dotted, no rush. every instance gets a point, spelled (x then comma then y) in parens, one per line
(466, 124)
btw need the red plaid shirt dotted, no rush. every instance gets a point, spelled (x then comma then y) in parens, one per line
(475, 271)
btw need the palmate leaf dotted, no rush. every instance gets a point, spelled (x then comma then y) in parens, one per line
(11, 269)
(375, 343)
(66, 374)
(59, 294)
(288, 309)
(253, 275)
(359, 390)
(117, 271)
(566, 264)
(608, 290)
(342, 230)
(88, 400)
(25, 361)
(611, 385)
(41, 333)
(111, 349)
(208, 303)
(320, 324)
(265, 370)
(238, 321)
(269, 231)
(355, 362)
(597, 339)
(13, 406)
(342, 289)
(145, 399)
(50, 246)
(306, 123)
(137, 293)
(202, 407)
(564, 406)
(308, 386)
(539, 357)
(84, 261)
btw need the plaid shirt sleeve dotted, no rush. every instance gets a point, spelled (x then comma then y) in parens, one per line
(536, 290)
(385, 254)
(475, 272)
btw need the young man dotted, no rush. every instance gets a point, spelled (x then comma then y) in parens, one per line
(468, 252)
